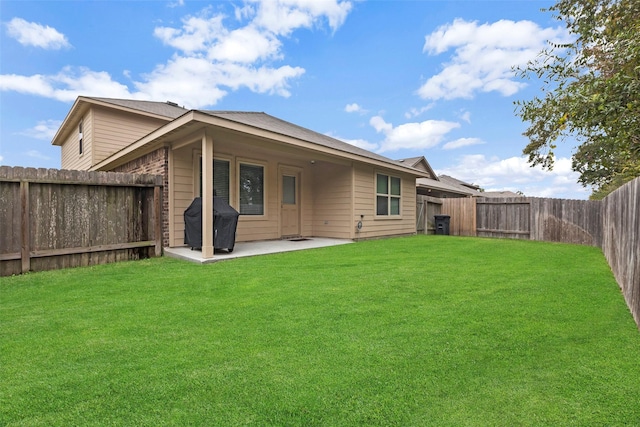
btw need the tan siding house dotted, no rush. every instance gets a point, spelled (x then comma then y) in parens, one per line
(77, 147)
(116, 129)
(285, 180)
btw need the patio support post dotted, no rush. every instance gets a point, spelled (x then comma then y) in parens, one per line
(207, 196)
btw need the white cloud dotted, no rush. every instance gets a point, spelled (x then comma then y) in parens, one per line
(415, 112)
(281, 17)
(361, 143)
(462, 142)
(483, 56)
(34, 34)
(353, 108)
(188, 81)
(44, 130)
(196, 33)
(246, 45)
(380, 125)
(67, 85)
(411, 135)
(515, 174)
(207, 34)
(211, 58)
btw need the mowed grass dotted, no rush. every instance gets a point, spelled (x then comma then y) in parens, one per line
(427, 330)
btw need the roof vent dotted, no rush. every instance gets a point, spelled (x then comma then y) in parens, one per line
(172, 103)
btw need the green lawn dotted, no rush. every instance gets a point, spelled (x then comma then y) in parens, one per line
(427, 330)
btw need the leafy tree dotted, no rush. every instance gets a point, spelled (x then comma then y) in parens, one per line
(591, 92)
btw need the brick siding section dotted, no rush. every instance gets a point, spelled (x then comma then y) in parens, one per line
(156, 163)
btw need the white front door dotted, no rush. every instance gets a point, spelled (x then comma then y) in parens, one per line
(290, 204)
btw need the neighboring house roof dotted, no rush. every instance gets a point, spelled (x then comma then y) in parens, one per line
(420, 163)
(443, 188)
(456, 182)
(447, 186)
(183, 121)
(495, 194)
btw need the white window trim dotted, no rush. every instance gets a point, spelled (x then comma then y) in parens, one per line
(81, 139)
(388, 216)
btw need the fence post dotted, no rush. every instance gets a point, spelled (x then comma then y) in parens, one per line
(25, 232)
(157, 206)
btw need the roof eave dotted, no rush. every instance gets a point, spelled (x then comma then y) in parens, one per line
(77, 106)
(302, 143)
(155, 139)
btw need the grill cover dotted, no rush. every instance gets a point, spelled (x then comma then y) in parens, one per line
(225, 223)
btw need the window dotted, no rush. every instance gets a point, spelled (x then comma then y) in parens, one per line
(251, 189)
(220, 179)
(80, 138)
(387, 195)
(250, 185)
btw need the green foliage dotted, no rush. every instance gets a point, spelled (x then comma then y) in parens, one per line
(428, 330)
(591, 93)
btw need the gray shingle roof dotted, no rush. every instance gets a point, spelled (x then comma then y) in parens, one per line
(411, 160)
(166, 109)
(273, 124)
(454, 181)
(257, 120)
(441, 185)
(498, 194)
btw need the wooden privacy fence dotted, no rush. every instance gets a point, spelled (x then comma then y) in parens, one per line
(52, 219)
(530, 218)
(612, 224)
(621, 241)
(463, 215)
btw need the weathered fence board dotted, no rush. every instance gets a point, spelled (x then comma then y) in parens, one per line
(463, 215)
(568, 221)
(554, 220)
(52, 219)
(505, 217)
(621, 241)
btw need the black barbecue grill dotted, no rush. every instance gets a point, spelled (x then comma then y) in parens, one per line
(225, 223)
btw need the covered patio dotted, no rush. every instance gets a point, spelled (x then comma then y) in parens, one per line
(246, 249)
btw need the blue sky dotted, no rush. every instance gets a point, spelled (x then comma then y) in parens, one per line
(401, 78)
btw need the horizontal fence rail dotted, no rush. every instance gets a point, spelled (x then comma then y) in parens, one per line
(52, 218)
(612, 224)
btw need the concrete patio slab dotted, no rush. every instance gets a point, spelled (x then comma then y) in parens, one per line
(245, 249)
